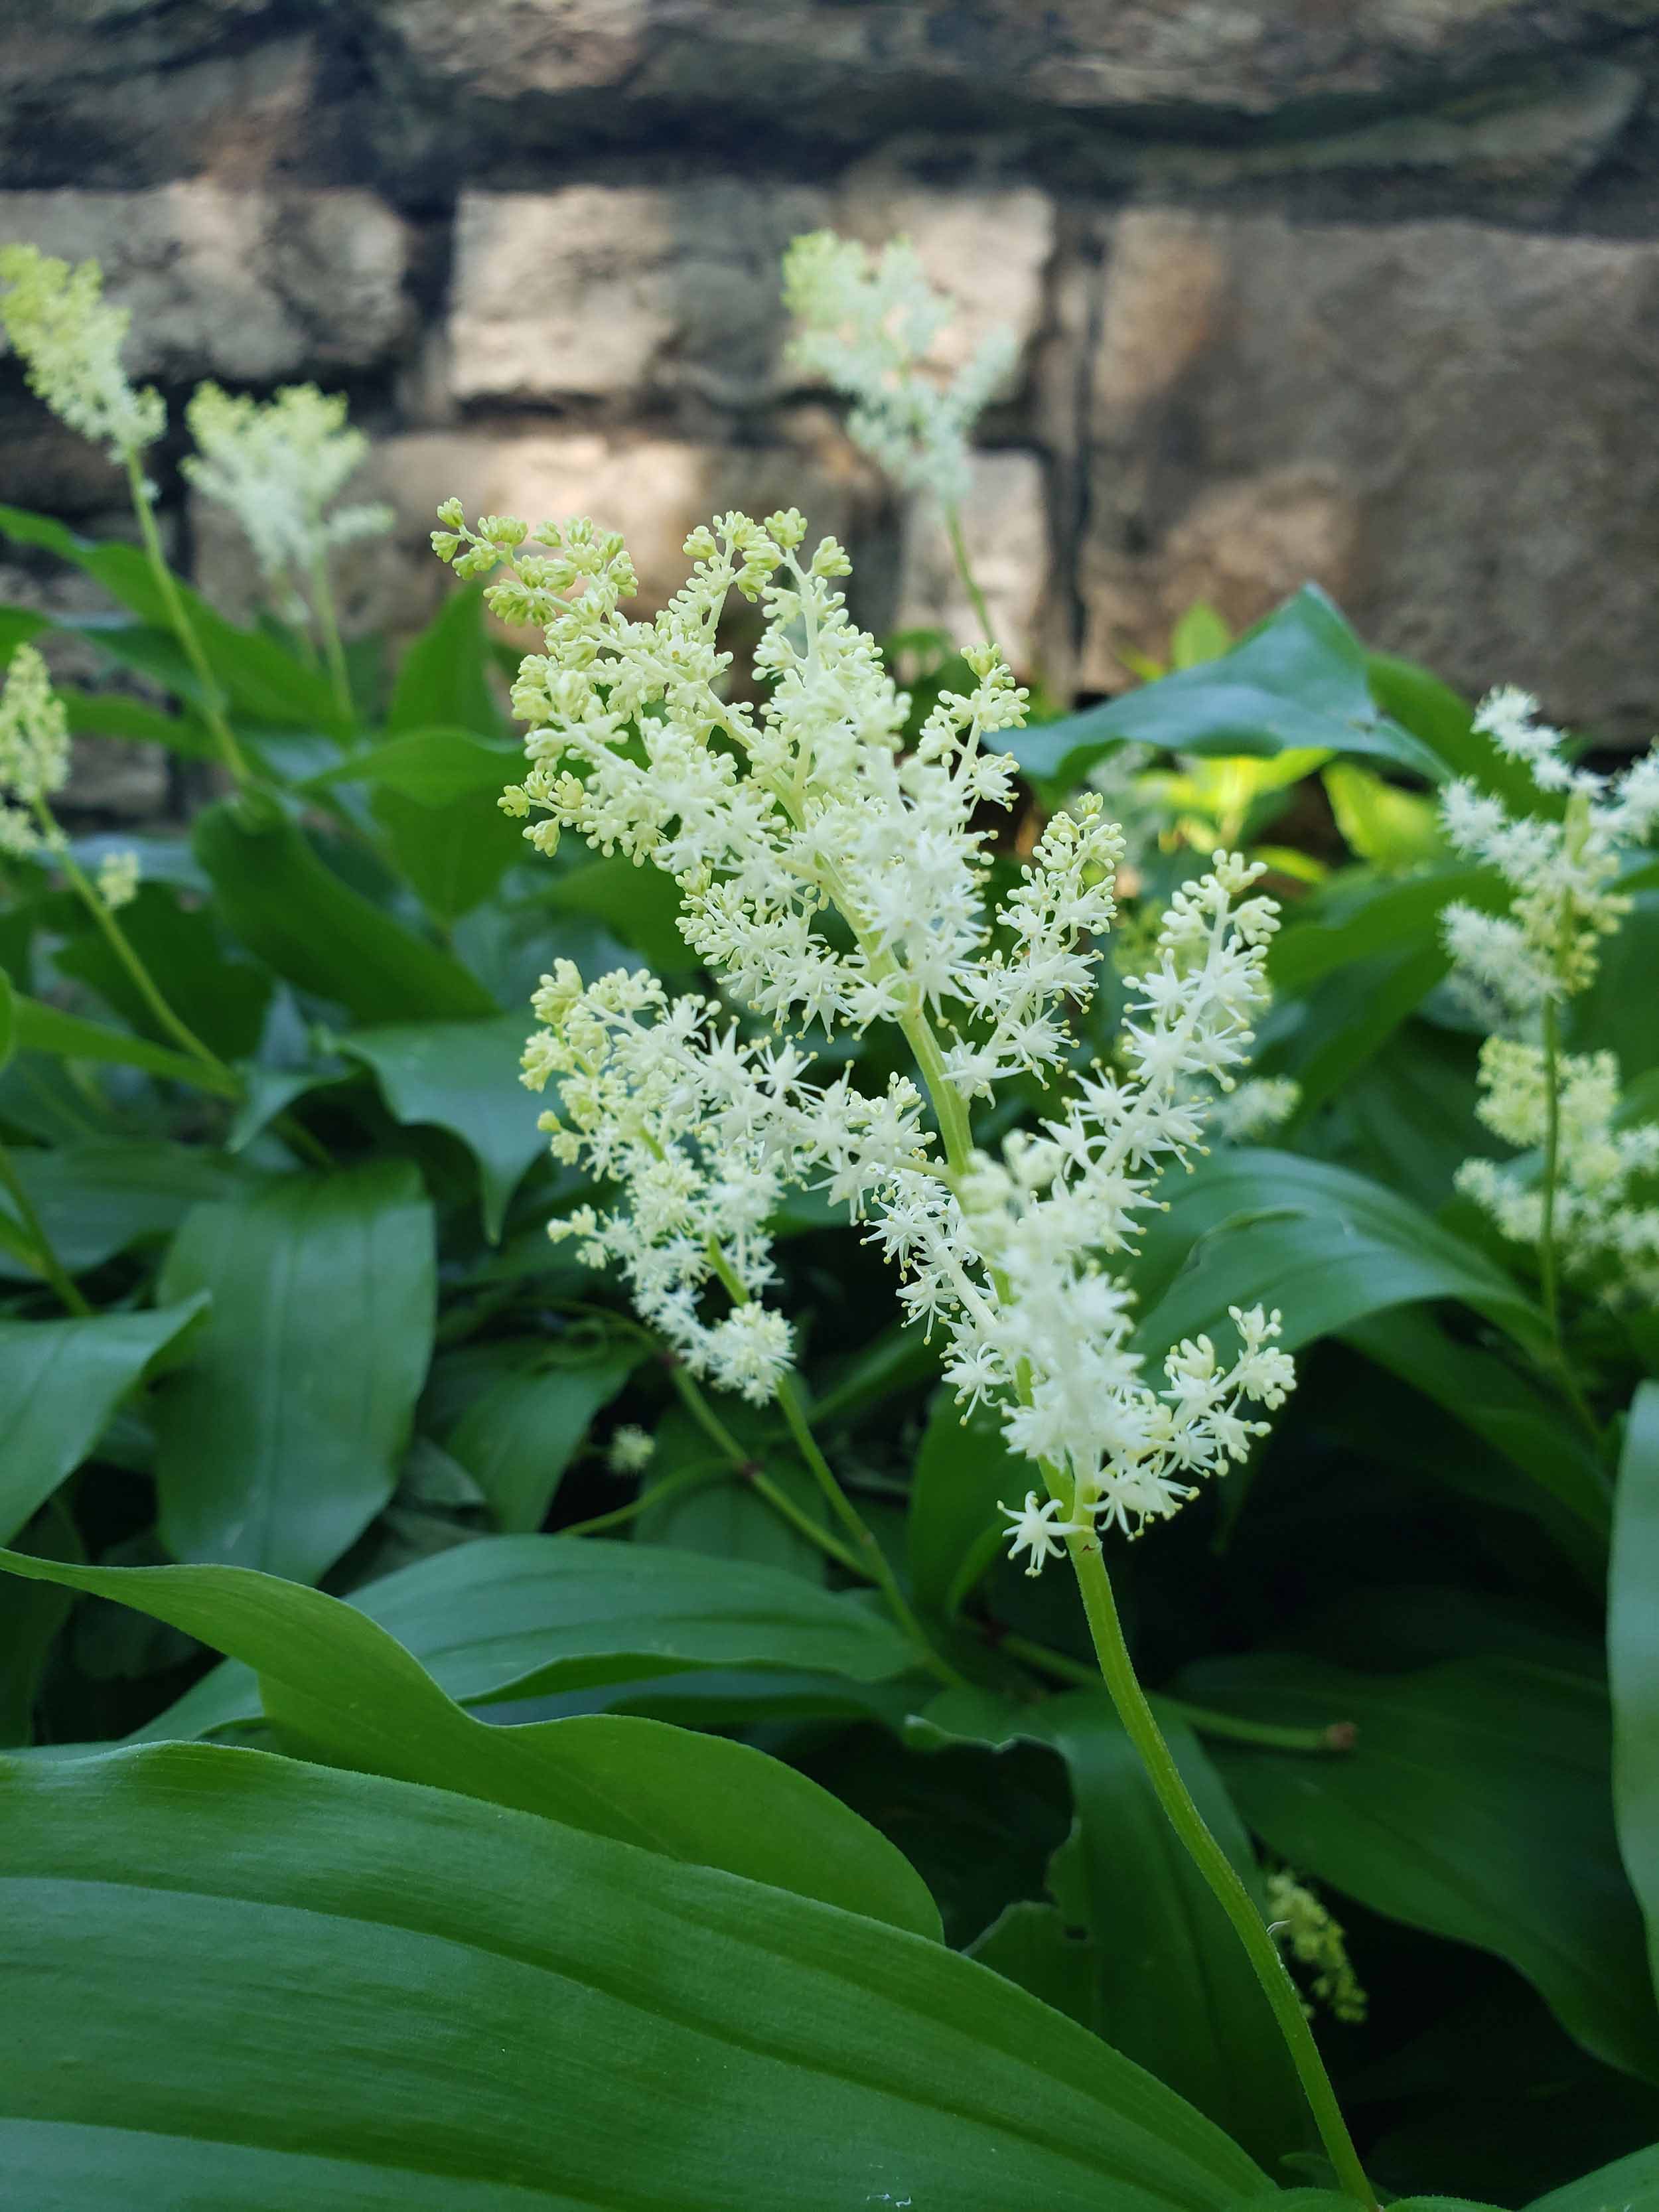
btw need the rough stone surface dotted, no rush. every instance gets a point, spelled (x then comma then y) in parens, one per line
(1446, 423)
(642, 292)
(1301, 288)
(253, 286)
(847, 67)
(1005, 526)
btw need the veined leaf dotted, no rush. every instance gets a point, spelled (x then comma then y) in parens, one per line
(1633, 1657)
(341, 1690)
(444, 678)
(281, 1441)
(964, 1472)
(257, 1983)
(40, 1028)
(314, 930)
(60, 1381)
(462, 1077)
(1629, 2185)
(1297, 680)
(517, 1436)
(1476, 1804)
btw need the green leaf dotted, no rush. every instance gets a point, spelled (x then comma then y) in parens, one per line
(517, 1436)
(1495, 1400)
(252, 1984)
(1325, 1246)
(1476, 1805)
(1298, 679)
(115, 714)
(97, 1199)
(436, 768)
(31, 1622)
(341, 1690)
(281, 1441)
(40, 1028)
(1390, 828)
(1351, 920)
(463, 1077)
(640, 904)
(256, 674)
(60, 1381)
(223, 1000)
(1172, 1988)
(517, 1617)
(964, 1472)
(1633, 1657)
(284, 905)
(444, 677)
(1030, 1944)
(8, 1018)
(1629, 2185)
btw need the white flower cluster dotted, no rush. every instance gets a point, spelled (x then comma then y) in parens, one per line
(34, 752)
(71, 340)
(1561, 873)
(867, 322)
(277, 466)
(829, 876)
(117, 878)
(1604, 1232)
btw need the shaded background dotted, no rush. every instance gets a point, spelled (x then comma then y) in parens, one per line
(1368, 292)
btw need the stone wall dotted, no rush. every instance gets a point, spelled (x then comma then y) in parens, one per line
(1302, 288)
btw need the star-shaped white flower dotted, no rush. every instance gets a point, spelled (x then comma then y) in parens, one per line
(1036, 1530)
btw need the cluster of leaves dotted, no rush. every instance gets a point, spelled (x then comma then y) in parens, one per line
(404, 1806)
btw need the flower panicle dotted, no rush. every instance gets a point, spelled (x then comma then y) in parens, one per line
(867, 322)
(70, 339)
(34, 754)
(829, 879)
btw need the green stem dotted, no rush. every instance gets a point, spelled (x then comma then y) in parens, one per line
(1059, 1665)
(685, 1478)
(1117, 1669)
(322, 600)
(786, 1509)
(47, 1265)
(1549, 1266)
(959, 553)
(183, 628)
(121, 946)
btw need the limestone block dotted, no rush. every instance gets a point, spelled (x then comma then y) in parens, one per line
(252, 286)
(1446, 423)
(1005, 526)
(862, 68)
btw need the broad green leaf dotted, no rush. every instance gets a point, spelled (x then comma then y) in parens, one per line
(444, 678)
(453, 855)
(1352, 920)
(96, 1200)
(1030, 1944)
(517, 1437)
(1408, 1118)
(1440, 718)
(1476, 1804)
(8, 1018)
(31, 1621)
(341, 1690)
(283, 904)
(1633, 1656)
(1298, 679)
(281, 1441)
(517, 1617)
(640, 904)
(463, 1077)
(115, 714)
(436, 768)
(1620, 1012)
(223, 1000)
(1326, 1247)
(253, 1984)
(258, 675)
(60, 1381)
(40, 1028)
(1629, 2185)
(1171, 1986)
(718, 1512)
(964, 1472)
(1499, 1401)
(1392, 829)
(1348, 1018)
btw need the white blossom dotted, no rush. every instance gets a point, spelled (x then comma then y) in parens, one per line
(1038, 1531)
(278, 465)
(71, 340)
(829, 877)
(630, 1451)
(34, 751)
(1605, 1217)
(1561, 873)
(117, 878)
(867, 321)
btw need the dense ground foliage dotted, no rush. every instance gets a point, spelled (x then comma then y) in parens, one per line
(614, 1792)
